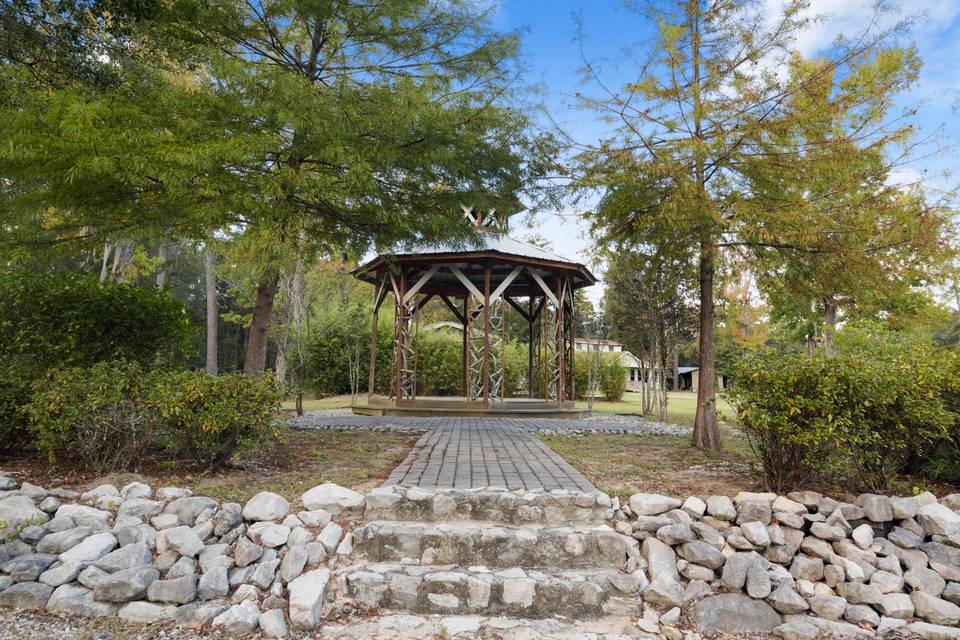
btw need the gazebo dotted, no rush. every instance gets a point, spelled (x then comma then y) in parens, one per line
(476, 283)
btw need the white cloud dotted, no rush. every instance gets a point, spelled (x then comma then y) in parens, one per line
(849, 18)
(904, 178)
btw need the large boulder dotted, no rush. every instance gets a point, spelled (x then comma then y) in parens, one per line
(61, 541)
(85, 516)
(77, 600)
(142, 508)
(28, 567)
(935, 610)
(652, 504)
(18, 511)
(126, 585)
(332, 498)
(213, 584)
(175, 590)
(187, 509)
(146, 612)
(937, 519)
(306, 597)
(734, 613)
(91, 549)
(26, 595)
(133, 555)
(661, 560)
(183, 540)
(240, 618)
(266, 506)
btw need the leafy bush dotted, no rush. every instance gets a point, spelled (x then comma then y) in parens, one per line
(860, 415)
(515, 369)
(329, 353)
(207, 418)
(610, 377)
(613, 379)
(439, 365)
(114, 415)
(92, 416)
(70, 319)
(439, 360)
(63, 319)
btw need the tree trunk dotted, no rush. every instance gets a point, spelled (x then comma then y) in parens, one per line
(706, 429)
(104, 265)
(210, 285)
(255, 358)
(297, 292)
(829, 326)
(167, 253)
(280, 366)
(162, 273)
(676, 369)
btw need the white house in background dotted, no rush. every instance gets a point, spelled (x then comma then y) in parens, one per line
(636, 370)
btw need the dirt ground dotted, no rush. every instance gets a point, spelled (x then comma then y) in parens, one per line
(289, 464)
(622, 465)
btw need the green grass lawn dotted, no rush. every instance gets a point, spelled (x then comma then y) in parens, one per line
(681, 407)
(314, 404)
(623, 464)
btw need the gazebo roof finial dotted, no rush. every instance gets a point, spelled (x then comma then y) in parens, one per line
(492, 220)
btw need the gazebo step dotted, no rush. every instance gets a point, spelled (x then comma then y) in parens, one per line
(495, 545)
(529, 593)
(494, 505)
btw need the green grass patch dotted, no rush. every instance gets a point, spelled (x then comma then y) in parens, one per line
(681, 407)
(623, 464)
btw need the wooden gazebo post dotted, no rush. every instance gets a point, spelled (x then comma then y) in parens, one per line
(373, 339)
(530, 371)
(486, 337)
(466, 346)
(573, 348)
(400, 347)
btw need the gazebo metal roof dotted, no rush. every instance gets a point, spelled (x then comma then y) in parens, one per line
(490, 249)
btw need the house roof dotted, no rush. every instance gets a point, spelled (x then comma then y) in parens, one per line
(597, 341)
(687, 369)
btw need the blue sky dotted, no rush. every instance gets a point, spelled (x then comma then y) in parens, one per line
(552, 58)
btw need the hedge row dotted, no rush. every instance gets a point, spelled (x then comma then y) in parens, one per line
(62, 319)
(115, 416)
(883, 406)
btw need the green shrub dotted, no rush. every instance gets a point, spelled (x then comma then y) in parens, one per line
(71, 319)
(207, 419)
(613, 379)
(329, 353)
(439, 368)
(94, 417)
(62, 319)
(940, 459)
(858, 416)
(439, 360)
(114, 415)
(515, 369)
(610, 378)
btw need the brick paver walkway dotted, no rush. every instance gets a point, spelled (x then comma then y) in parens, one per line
(482, 452)
(472, 453)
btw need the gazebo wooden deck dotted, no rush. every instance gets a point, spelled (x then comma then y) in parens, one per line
(476, 283)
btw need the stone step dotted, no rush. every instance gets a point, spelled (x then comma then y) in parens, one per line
(495, 505)
(496, 545)
(515, 592)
